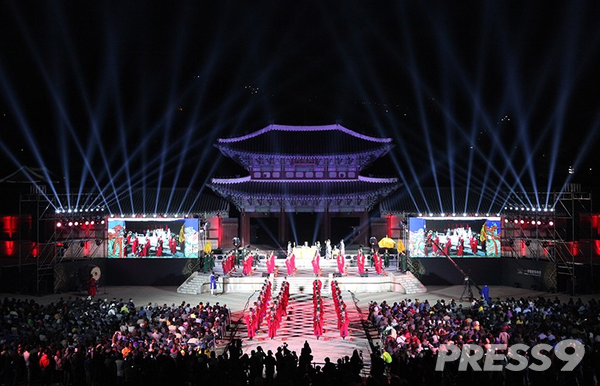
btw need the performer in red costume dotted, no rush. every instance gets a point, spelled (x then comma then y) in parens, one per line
(173, 245)
(316, 264)
(247, 264)
(134, 246)
(146, 250)
(344, 323)
(92, 286)
(435, 246)
(318, 324)
(461, 247)
(159, 248)
(251, 324)
(473, 243)
(360, 261)
(341, 262)
(271, 263)
(378, 263)
(289, 263)
(272, 324)
(447, 246)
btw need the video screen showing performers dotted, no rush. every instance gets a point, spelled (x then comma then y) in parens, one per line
(454, 237)
(153, 238)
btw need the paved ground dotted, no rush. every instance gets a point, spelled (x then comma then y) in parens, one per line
(299, 328)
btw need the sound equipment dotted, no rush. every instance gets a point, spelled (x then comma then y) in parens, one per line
(265, 274)
(364, 274)
(337, 274)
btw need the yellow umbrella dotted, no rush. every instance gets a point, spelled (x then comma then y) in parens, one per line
(207, 248)
(387, 243)
(400, 246)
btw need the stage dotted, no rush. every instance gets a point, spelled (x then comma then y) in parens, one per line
(391, 280)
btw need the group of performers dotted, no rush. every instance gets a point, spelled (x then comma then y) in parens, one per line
(256, 314)
(278, 309)
(140, 245)
(458, 242)
(318, 309)
(377, 261)
(343, 321)
(248, 260)
(340, 309)
(329, 252)
(245, 258)
(208, 262)
(273, 308)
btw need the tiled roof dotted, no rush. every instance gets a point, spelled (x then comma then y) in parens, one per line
(304, 188)
(360, 194)
(304, 140)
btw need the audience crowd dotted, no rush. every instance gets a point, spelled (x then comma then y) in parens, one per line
(79, 341)
(95, 342)
(414, 331)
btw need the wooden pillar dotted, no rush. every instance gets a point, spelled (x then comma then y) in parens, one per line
(326, 227)
(282, 231)
(364, 228)
(245, 228)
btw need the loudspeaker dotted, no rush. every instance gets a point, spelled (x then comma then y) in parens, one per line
(265, 274)
(364, 274)
(337, 274)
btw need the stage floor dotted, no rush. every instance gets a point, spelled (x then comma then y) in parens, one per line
(299, 328)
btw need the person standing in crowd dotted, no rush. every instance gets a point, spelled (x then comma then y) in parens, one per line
(485, 292)
(92, 286)
(213, 283)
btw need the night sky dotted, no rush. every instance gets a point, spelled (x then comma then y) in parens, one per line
(494, 95)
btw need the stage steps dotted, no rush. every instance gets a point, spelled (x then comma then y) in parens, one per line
(409, 283)
(193, 284)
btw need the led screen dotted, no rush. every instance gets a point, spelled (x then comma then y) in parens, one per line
(454, 237)
(155, 238)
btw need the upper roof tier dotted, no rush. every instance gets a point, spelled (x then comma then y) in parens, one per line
(285, 142)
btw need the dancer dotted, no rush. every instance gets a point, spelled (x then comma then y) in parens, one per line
(341, 263)
(316, 264)
(436, 245)
(461, 247)
(318, 324)
(159, 248)
(473, 243)
(251, 323)
(447, 246)
(271, 263)
(290, 264)
(360, 261)
(328, 249)
(247, 264)
(344, 323)
(378, 263)
(134, 246)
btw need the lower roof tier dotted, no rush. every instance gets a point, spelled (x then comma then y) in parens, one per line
(355, 195)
